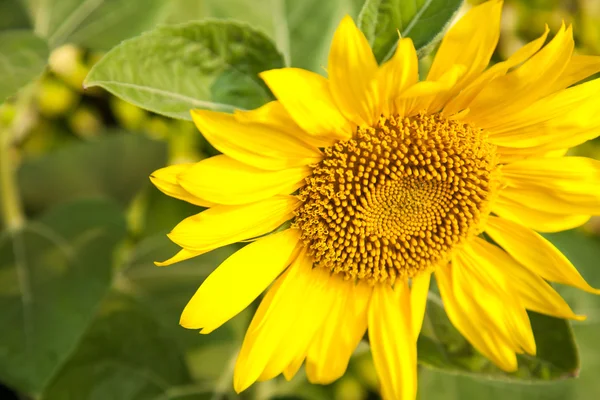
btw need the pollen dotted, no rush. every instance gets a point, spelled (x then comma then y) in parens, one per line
(397, 198)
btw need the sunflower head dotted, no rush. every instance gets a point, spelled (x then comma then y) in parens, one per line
(355, 189)
(397, 197)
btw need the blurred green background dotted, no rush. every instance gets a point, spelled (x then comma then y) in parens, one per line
(84, 313)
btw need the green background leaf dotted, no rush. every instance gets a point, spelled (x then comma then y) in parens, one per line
(583, 251)
(23, 57)
(125, 355)
(302, 30)
(172, 70)
(424, 21)
(135, 347)
(442, 347)
(115, 165)
(13, 15)
(166, 290)
(54, 273)
(99, 24)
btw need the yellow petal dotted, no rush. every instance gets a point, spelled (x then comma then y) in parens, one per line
(316, 303)
(471, 43)
(529, 288)
(463, 99)
(491, 294)
(272, 322)
(490, 344)
(165, 179)
(274, 115)
(223, 180)
(392, 342)
(222, 225)
(561, 120)
(396, 75)
(555, 185)
(530, 216)
(330, 352)
(519, 88)
(239, 280)
(182, 255)
(421, 96)
(557, 153)
(306, 97)
(418, 300)
(254, 144)
(535, 253)
(352, 70)
(292, 369)
(244, 375)
(578, 68)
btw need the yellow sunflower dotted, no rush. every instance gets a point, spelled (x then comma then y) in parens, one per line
(355, 188)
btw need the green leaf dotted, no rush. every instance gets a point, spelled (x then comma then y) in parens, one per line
(171, 70)
(424, 21)
(23, 57)
(166, 291)
(99, 24)
(53, 275)
(125, 355)
(13, 15)
(309, 42)
(255, 13)
(172, 211)
(114, 165)
(442, 347)
(584, 251)
(304, 44)
(135, 349)
(437, 385)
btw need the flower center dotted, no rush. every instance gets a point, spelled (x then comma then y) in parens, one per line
(397, 198)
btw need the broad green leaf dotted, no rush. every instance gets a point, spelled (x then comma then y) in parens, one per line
(302, 30)
(438, 385)
(584, 251)
(23, 57)
(172, 211)
(308, 28)
(137, 333)
(124, 355)
(166, 291)
(99, 24)
(171, 70)
(115, 165)
(53, 275)
(255, 13)
(13, 15)
(442, 347)
(210, 358)
(424, 21)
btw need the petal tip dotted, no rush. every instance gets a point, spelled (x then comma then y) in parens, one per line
(347, 19)
(264, 75)
(239, 384)
(579, 317)
(187, 323)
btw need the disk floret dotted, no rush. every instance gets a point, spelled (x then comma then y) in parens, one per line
(397, 198)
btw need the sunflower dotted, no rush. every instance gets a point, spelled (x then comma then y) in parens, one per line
(354, 189)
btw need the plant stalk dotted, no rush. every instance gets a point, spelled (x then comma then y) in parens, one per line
(12, 211)
(10, 199)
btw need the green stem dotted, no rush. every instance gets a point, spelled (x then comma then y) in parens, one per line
(10, 199)
(12, 212)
